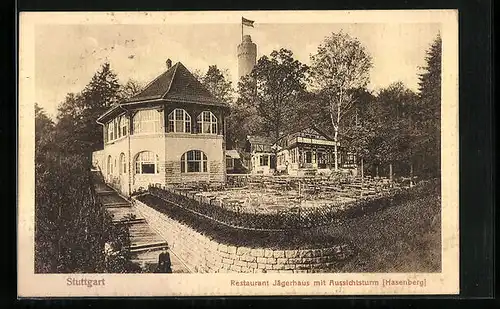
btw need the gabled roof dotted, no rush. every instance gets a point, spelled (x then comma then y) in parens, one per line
(308, 126)
(261, 140)
(176, 84)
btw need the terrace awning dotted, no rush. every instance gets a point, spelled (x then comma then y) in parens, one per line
(233, 154)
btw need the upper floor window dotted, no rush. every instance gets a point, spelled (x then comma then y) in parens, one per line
(179, 121)
(207, 123)
(111, 131)
(148, 121)
(147, 162)
(123, 125)
(194, 161)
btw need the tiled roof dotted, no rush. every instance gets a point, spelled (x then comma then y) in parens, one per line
(176, 84)
(263, 140)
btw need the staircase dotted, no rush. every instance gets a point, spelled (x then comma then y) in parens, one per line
(145, 243)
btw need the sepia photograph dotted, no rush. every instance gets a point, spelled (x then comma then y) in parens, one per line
(267, 152)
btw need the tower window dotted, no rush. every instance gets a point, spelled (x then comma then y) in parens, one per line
(179, 121)
(207, 123)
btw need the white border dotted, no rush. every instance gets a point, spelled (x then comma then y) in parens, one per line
(54, 285)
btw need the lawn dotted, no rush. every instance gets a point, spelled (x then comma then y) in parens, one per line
(404, 238)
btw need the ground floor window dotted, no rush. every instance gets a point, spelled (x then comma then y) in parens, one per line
(147, 163)
(308, 157)
(322, 160)
(109, 166)
(123, 164)
(350, 159)
(264, 160)
(194, 161)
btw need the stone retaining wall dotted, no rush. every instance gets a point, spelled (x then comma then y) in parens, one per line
(204, 255)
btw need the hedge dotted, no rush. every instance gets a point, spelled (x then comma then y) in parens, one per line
(293, 218)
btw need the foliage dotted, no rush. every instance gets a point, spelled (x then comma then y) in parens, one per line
(274, 87)
(71, 226)
(131, 88)
(391, 125)
(289, 239)
(218, 84)
(242, 121)
(428, 146)
(340, 66)
(76, 129)
(69, 234)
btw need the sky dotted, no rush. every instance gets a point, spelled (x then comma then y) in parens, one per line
(67, 55)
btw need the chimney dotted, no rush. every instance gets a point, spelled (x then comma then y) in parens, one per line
(169, 63)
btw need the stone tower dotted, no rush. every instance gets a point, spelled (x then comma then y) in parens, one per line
(247, 56)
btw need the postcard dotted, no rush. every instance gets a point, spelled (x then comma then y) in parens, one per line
(221, 153)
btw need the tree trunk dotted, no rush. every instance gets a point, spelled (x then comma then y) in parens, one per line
(335, 139)
(362, 170)
(362, 176)
(411, 174)
(390, 173)
(376, 171)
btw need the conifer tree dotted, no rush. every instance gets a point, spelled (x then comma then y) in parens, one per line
(428, 115)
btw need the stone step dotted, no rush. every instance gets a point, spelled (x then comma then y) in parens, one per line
(148, 247)
(130, 222)
(117, 205)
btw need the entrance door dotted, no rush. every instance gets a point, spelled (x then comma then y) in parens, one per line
(272, 162)
(321, 160)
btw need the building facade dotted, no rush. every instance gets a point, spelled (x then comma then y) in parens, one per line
(308, 152)
(173, 131)
(261, 158)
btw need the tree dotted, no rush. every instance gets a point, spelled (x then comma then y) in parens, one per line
(76, 129)
(242, 121)
(340, 65)
(218, 84)
(274, 87)
(394, 108)
(131, 88)
(359, 129)
(71, 226)
(44, 131)
(428, 148)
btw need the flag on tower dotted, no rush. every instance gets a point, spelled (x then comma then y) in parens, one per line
(247, 22)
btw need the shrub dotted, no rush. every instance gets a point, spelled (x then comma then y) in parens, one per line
(71, 225)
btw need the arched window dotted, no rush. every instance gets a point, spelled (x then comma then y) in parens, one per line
(123, 125)
(123, 164)
(109, 166)
(148, 121)
(194, 161)
(146, 162)
(179, 121)
(111, 135)
(207, 123)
